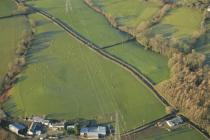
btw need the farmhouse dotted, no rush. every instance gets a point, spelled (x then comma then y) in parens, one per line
(17, 128)
(174, 122)
(93, 132)
(57, 125)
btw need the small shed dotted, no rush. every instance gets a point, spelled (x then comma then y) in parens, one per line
(17, 128)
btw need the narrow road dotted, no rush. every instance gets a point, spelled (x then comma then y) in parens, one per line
(117, 60)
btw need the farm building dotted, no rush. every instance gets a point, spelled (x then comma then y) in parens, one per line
(174, 122)
(70, 126)
(35, 128)
(93, 132)
(40, 120)
(57, 125)
(17, 128)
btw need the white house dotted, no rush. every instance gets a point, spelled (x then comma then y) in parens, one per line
(17, 128)
(93, 132)
(174, 122)
(57, 126)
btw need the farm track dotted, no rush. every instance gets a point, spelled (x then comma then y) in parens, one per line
(124, 64)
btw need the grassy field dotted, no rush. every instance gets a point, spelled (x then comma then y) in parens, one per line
(153, 65)
(99, 31)
(183, 133)
(84, 20)
(10, 33)
(129, 12)
(7, 7)
(203, 45)
(175, 23)
(65, 79)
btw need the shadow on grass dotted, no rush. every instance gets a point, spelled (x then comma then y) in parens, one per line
(40, 42)
(11, 108)
(165, 29)
(42, 22)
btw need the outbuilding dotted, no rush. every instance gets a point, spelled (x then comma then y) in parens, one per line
(35, 128)
(17, 128)
(93, 132)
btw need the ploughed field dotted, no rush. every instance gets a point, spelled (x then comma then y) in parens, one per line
(96, 28)
(64, 79)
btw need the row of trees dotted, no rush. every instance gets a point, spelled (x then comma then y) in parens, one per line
(19, 62)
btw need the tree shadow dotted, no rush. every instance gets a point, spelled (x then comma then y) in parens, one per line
(42, 22)
(10, 108)
(165, 29)
(40, 42)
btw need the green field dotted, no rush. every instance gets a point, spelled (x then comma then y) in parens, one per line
(203, 45)
(10, 33)
(152, 64)
(180, 22)
(129, 12)
(99, 31)
(183, 133)
(65, 79)
(84, 20)
(7, 7)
